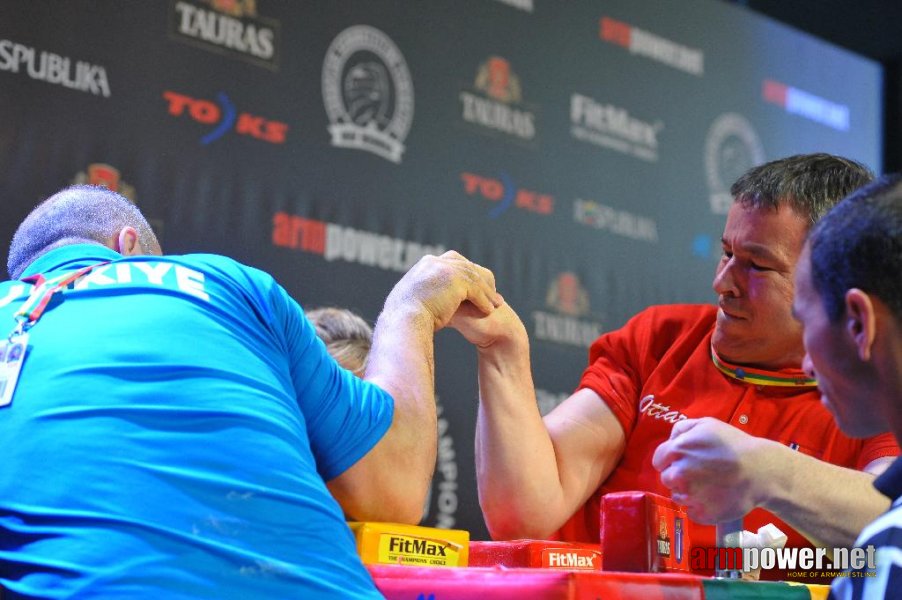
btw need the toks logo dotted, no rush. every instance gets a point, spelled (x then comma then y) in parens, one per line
(498, 105)
(506, 194)
(225, 117)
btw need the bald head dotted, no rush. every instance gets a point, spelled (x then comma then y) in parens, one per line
(81, 214)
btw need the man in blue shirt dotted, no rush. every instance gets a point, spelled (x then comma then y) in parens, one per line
(177, 427)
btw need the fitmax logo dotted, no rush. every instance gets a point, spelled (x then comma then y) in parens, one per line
(223, 114)
(415, 546)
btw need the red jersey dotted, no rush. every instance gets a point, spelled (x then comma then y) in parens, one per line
(659, 369)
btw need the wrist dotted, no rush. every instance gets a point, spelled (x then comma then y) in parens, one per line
(513, 345)
(407, 312)
(775, 482)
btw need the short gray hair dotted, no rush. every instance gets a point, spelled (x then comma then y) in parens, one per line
(78, 214)
(811, 184)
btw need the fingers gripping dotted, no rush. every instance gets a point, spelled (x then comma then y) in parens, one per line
(442, 283)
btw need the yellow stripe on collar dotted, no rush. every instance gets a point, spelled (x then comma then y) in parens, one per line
(761, 377)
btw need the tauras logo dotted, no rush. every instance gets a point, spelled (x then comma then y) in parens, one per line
(565, 330)
(420, 546)
(567, 296)
(495, 115)
(493, 108)
(107, 176)
(650, 408)
(54, 69)
(663, 540)
(232, 27)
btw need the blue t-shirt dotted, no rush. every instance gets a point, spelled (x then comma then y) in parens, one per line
(173, 426)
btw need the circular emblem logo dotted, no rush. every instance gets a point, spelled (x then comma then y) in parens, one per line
(367, 92)
(731, 149)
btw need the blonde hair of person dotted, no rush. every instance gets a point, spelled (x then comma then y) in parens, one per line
(347, 336)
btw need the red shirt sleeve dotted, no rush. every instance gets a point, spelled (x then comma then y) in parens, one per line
(621, 361)
(613, 372)
(879, 446)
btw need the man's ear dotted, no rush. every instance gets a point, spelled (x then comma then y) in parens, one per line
(126, 243)
(861, 322)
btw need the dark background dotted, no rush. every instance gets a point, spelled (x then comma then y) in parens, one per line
(647, 231)
(872, 28)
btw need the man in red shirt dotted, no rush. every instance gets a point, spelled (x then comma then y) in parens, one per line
(724, 381)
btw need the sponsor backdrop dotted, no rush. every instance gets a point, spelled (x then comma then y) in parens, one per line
(582, 150)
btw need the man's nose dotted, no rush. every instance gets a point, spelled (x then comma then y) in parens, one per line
(725, 278)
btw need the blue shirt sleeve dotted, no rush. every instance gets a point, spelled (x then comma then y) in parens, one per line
(345, 416)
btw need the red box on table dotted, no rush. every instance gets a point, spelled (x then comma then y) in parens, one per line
(541, 554)
(643, 532)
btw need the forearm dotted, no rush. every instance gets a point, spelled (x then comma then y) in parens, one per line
(401, 362)
(391, 481)
(829, 505)
(519, 486)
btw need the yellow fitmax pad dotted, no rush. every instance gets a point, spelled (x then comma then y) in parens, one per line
(399, 544)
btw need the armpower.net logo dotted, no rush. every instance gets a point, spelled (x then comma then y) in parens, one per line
(798, 562)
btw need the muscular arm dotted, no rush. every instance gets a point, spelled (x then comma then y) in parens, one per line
(391, 481)
(721, 473)
(534, 474)
(829, 505)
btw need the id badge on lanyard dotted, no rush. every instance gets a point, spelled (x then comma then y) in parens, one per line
(15, 347)
(12, 355)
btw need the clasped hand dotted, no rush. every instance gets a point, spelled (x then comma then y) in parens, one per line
(441, 285)
(716, 470)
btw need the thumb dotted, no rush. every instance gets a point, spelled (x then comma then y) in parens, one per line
(681, 427)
